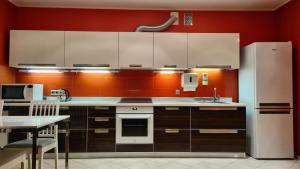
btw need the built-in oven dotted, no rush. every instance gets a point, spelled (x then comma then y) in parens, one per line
(134, 125)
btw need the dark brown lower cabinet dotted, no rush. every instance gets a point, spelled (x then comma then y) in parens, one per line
(218, 142)
(16, 136)
(171, 140)
(77, 141)
(101, 140)
(134, 147)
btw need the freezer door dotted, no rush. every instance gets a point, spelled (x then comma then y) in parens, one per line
(274, 133)
(274, 73)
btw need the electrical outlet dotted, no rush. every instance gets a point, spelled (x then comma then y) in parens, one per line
(177, 92)
(56, 92)
(177, 15)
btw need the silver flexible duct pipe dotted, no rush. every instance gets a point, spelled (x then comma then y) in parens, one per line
(159, 28)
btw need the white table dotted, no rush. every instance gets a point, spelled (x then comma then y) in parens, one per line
(34, 124)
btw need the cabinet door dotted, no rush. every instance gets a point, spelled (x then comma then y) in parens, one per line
(172, 118)
(92, 49)
(37, 48)
(170, 50)
(136, 50)
(78, 117)
(171, 140)
(213, 50)
(101, 140)
(77, 142)
(221, 141)
(218, 118)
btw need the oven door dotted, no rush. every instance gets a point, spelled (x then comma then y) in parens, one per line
(134, 129)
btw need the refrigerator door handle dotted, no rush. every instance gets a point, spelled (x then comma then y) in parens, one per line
(274, 111)
(274, 106)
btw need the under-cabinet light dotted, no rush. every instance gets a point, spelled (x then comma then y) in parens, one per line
(41, 71)
(95, 71)
(168, 72)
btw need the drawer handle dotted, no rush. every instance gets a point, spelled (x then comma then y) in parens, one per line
(91, 65)
(171, 130)
(172, 108)
(99, 119)
(218, 108)
(101, 131)
(170, 66)
(64, 108)
(101, 108)
(135, 65)
(218, 131)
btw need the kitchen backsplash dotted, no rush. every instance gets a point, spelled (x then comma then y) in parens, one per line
(134, 83)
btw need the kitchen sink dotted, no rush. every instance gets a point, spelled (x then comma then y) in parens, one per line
(209, 100)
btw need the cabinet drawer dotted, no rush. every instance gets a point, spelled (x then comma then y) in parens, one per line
(172, 117)
(78, 117)
(77, 141)
(102, 122)
(101, 140)
(218, 141)
(101, 111)
(218, 118)
(172, 140)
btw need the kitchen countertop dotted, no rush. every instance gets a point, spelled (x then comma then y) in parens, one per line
(156, 101)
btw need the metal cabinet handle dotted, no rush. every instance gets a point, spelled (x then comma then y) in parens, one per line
(214, 66)
(170, 66)
(91, 65)
(218, 131)
(64, 107)
(101, 131)
(171, 130)
(99, 119)
(101, 108)
(135, 65)
(172, 108)
(218, 108)
(39, 65)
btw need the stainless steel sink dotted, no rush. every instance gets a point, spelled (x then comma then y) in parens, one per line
(209, 100)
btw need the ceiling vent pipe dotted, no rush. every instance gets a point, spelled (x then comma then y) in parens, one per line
(159, 28)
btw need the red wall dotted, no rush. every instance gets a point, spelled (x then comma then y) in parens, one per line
(7, 14)
(288, 29)
(253, 26)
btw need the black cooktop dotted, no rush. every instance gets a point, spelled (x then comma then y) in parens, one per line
(136, 100)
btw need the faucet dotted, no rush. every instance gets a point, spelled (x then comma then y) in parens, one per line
(216, 98)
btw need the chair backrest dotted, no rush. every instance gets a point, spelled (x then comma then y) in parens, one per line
(1, 107)
(45, 108)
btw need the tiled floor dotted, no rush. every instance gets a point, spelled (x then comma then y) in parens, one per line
(175, 163)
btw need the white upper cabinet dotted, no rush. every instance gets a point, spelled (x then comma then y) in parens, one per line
(36, 48)
(91, 49)
(214, 50)
(136, 50)
(170, 50)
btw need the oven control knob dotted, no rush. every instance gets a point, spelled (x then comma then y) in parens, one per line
(134, 108)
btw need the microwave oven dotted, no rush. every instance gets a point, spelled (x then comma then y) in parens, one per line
(21, 92)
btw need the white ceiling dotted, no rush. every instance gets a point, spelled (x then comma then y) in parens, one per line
(206, 5)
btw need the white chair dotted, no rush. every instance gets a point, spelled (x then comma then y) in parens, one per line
(47, 138)
(1, 107)
(12, 158)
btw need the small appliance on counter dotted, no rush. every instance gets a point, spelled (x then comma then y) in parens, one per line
(63, 95)
(18, 92)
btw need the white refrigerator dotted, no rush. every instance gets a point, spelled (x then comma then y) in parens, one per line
(266, 87)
